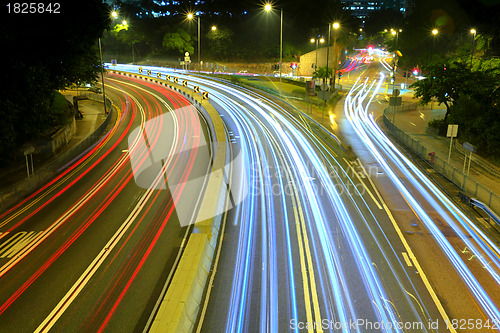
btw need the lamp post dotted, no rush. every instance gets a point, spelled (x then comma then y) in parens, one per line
(191, 16)
(395, 60)
(268, 8)
(102, 77)
(321, 40)
(434, 34)
(473, 32)
(336, 27)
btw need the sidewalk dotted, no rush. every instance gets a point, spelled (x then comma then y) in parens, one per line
(414, 124)
(14, 182)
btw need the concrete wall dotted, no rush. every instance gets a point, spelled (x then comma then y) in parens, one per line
(307, 60)
(58, 140)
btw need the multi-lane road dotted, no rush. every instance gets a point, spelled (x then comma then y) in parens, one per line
(316, 239)
(91, 250)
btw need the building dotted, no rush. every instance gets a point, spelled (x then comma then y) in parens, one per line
(363, 8)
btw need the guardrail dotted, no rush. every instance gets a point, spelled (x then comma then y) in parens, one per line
(486, 209)
(179, 303)
(464, 182)
(476, 203)
(27, 185)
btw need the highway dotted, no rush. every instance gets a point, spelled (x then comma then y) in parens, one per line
(314, 245)
(91, 250)
(310, 244)
(316, 238)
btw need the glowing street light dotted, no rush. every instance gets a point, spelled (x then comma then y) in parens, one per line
(473, 32)
(434, 33)
(336, 27)
(190, 16)
(269, 8)
(114, 14)
(321, 40)
(214, 28)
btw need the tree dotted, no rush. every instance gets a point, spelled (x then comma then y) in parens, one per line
(322, 72)
(178, 41)
(472, 100)
(443, 82)
(220, 40)
(45, 53)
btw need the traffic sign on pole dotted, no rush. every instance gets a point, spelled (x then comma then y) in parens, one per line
(204, 95)
(149, 72)
(196, 89)
(158, 75)
(185, 83)
(451, 133)
(140, 70)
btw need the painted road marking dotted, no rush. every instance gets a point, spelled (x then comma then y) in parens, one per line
(407, 259)
(17, 242)
(420, 271)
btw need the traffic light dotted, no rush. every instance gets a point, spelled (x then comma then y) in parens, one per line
(415, 71)
(393, 79)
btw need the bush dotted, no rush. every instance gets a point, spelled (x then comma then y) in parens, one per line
(440, 124)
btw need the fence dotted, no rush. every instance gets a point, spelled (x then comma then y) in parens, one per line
(465, 183)
(41, 176)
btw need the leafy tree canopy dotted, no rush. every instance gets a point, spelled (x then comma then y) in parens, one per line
(44, 52)
(179, 41)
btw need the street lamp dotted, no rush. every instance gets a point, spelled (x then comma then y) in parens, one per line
(434, 34)
(473, 32)
(336, 27)
(268, 8)
(394, 33)
(190, 17)
(214, 28)
(321, 40)
(114, 14)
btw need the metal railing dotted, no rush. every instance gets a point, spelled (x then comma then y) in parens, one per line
(466, 183)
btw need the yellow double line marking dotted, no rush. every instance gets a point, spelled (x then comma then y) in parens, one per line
(305, 254)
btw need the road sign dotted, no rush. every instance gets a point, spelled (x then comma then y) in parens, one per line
(396, 92)
(186, 54)
(167, 77)
(310, 86)
(324, 95)
(149, 72)
(196, 89)
(158, 75)
(185, 83)
(395, 101)
(28, 150)
(204, 95)
(140, 70)
(452, 131)
(469, 147)
(176, 79)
